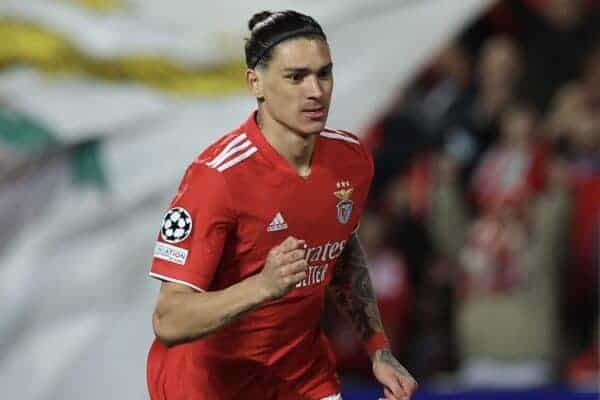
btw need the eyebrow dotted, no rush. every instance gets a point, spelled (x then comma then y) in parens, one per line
(305, 70)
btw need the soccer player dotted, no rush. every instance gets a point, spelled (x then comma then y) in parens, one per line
(262, 229)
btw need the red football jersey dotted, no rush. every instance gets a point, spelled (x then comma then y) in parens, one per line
(237, 200)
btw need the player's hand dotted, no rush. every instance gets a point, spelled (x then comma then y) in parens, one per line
(284, 268)
(397, 382)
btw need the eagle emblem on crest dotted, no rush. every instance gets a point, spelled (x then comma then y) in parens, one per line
(345, 205)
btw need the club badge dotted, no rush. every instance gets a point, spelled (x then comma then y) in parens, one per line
(344, 206)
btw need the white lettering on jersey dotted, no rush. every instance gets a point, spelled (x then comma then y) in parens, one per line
(315, 275)
(170, 253)
(322, 254)
(327, 252)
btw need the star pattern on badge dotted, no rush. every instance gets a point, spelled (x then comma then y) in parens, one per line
(176, 225)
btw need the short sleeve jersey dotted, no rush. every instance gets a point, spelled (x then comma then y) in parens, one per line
(239, 199)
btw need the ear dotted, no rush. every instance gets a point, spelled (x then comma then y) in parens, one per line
(254, 82)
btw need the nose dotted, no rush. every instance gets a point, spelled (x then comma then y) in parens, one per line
(315, 90)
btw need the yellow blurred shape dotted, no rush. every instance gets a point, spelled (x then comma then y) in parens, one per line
(24, 43)
(100, 5)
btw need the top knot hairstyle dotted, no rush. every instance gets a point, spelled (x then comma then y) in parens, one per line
(267, 29)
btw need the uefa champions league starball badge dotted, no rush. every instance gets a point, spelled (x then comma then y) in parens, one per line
(344, 207)
(176, 226)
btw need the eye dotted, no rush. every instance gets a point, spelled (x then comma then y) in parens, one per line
(325, 73)
(296, 77)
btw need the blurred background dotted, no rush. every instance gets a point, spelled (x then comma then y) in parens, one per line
(483, 226)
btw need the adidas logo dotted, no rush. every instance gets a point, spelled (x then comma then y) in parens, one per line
(278, 224)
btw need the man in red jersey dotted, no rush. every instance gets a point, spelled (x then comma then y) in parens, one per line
(261, 229)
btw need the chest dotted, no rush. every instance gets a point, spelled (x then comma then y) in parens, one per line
(322, 210)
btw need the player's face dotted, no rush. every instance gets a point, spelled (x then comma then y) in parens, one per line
(297, 85)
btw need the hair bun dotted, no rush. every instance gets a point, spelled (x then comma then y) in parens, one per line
(258, 17)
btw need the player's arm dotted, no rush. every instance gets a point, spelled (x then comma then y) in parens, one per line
(183, 314)
(353, 294)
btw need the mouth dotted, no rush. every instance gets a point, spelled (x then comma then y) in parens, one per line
(314, 113)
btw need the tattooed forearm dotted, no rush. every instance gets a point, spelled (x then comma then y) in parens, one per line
(387, 357)
(352, 291)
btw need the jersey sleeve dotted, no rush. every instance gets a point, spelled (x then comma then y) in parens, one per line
(194, 230)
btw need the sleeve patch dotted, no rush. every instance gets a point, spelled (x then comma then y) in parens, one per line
(170, 253)
(176, 225)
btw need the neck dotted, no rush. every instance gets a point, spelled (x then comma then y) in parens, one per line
(297, 149)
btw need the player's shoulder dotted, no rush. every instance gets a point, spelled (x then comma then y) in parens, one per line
(343, 140)
(226, 153)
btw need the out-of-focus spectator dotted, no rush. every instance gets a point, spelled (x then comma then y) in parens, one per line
(435, 343)
(509, 264)
(417, 118)
(450, 104)
(556, 35)
(500, 233)
(574, 126)
(447, 82)
(400, 135)
(574, 118)
(394, 295)
(408, 233)
(514, 167)
(472, 125)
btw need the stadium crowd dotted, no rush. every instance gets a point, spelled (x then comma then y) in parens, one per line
(483, 231)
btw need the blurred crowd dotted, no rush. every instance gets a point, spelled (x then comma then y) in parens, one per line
(483, 230)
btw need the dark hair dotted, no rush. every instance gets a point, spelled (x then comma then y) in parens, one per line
(267, 29)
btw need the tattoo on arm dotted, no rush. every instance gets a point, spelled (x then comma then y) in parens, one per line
(352, 291)
(387, 357)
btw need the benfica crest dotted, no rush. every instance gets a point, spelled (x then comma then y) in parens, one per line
(344, 207)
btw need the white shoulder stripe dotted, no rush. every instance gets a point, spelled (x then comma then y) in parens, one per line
(224, 156)
(237, 159)
(227, 151)
(339, 136)
(166, 278)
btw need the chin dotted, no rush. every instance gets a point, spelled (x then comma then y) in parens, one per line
(313, 128)
(312, 131)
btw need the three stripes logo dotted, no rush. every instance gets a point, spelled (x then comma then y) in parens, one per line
(235, 152)
(278, 224)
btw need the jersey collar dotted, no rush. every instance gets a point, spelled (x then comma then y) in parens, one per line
(250, 127)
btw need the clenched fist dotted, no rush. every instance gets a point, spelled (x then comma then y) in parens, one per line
(284, 268)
